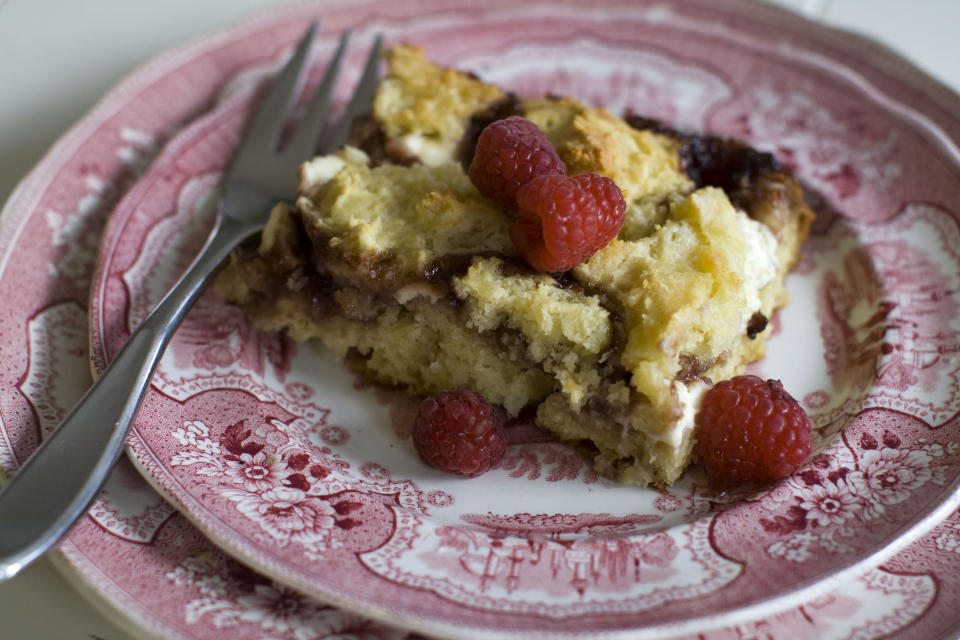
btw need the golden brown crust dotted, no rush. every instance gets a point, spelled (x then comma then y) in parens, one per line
(425, 109)
(776, 199)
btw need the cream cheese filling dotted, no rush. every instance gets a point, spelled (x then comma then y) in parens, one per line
(760, 267)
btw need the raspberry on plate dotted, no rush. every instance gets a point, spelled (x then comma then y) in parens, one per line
(510, 153)
(750, 432)
(459, 432)
(565, 220)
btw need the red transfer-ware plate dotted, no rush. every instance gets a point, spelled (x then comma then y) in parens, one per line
(272, 451)
(400, 543)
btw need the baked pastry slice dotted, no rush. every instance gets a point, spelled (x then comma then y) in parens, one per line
(394, 261)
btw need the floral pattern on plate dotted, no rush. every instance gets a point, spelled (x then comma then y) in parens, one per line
(437, 563)
(904, 591)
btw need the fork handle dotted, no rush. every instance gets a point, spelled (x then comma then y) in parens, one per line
(57, 484)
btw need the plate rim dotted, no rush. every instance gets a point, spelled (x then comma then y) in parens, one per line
(24, 188)
(801, 591)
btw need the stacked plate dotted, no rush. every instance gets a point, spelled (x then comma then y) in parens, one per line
(265, 494)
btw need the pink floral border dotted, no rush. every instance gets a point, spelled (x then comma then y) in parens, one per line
(943, 540)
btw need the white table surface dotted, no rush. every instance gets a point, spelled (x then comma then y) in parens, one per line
(57, 58)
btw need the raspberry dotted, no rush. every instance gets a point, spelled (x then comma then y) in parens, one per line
(750, 431)
(510, 152)
(459, 432)
(565, 220)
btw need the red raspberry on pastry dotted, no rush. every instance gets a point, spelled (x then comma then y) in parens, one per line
(564, 220)
(510, 153)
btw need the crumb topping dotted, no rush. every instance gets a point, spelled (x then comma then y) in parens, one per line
(409, 216)
(425, 109)
(696, 265)
(645, 165)
(566, 330)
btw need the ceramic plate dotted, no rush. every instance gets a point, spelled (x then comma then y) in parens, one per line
(61, 223)
(277, 455)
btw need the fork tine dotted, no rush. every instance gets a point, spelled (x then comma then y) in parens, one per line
(264, 128)
(362, 98)
(304, 140)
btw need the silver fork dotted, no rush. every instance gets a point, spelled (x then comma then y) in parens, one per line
(56, 485)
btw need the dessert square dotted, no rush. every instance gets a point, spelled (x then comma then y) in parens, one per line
(394, 261)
